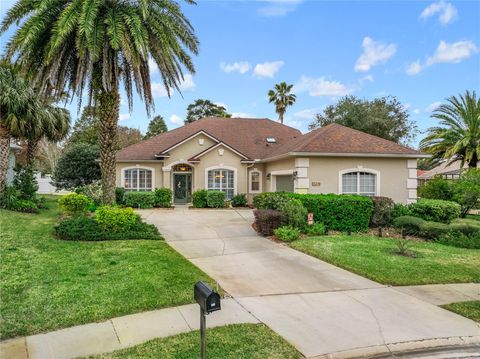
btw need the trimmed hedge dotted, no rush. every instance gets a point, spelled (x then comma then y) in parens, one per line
(215, 199)
(114, 219)
(163, 197)
(270, 200)
(434, 230)
(287, 233)
(120, 195)
(84, 228)
(338, 212)
(294, 214)
(199, 198)
(458, 239)
(435, 210)
(410, 225)
(140, 199)
(75, 203)
(267, 220)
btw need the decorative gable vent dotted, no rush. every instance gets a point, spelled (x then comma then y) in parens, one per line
(271, 140)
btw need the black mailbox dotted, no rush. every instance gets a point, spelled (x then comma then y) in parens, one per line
(207, 299)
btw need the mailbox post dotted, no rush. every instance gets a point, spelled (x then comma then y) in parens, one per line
(209, 301)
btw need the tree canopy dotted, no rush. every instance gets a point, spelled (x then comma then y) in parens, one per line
(205, 108)
(282, 97)
(156, 126)
(458, 136)
(384, 117)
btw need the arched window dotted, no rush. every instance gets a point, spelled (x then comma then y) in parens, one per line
(358, 182)
(255, 181)
(222, 179)
(138, 179)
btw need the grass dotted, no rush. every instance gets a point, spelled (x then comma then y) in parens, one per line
(253, 341)
(470, 309)
(48, 284)
(374, 258)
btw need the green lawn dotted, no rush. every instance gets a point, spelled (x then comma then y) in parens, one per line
(253, 341)
(48, 284)
(469, 309)
(374, 258)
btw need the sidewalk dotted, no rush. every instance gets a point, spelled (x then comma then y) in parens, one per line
(121, 332)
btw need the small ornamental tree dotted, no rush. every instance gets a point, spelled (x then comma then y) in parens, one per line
(437, 188)
(381, 213)
(77, 166)
(467, 190)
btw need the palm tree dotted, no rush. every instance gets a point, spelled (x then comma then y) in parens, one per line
(459, 136)
(19, 113)
(282, 97)
(95, 45)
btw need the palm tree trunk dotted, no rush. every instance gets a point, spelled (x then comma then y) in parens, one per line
(280, 117)
(473, 162)
(32, 147)
(4, 153)
(109, 104)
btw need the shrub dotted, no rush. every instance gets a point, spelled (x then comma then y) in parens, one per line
(465, 226)
(9, 198)
(458, 239)
(433, 230)
(163, 197)
(199, 198)
(140, 199)
(87, 229)
(467, 190)
(74, 203)
(120, 195)
(316, 229)
(437, 188)
(240, 200)
(267, 220)
(116, 219)
(294, 213)
(24, 205)
(435, 210)
(287, 233)
(26, 183)
(270, 200)
(400, 210)
(215, 199)
(410, 225)
(338, 212)
(382, 211)
(93, 191)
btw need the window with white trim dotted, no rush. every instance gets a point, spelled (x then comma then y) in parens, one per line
(222, 180)
(362, 183)
(137, 179)
(255, 181)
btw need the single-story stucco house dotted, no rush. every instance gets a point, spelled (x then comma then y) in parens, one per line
(242, 155)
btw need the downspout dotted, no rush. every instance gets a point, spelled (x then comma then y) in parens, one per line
(247, 182)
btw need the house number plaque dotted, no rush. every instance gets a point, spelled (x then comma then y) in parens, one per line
(315, 184)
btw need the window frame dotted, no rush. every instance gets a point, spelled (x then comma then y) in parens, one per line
(359, 170)
(226, 168)
(138, 168)
(260, 179)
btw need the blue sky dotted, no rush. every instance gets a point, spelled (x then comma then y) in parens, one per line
(421, 52)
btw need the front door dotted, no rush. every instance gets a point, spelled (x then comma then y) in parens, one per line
(182, 184)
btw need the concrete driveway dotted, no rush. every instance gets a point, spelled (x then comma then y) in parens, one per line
(316, 306)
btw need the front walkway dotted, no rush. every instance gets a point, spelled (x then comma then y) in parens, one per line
(316, 306)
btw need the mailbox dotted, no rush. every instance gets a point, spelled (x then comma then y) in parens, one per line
(207, 299)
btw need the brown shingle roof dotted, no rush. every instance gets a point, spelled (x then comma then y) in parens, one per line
(246, 135)
(335, 138)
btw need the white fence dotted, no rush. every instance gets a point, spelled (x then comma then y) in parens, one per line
(44, 185)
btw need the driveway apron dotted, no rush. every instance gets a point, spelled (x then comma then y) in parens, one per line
(316, 306)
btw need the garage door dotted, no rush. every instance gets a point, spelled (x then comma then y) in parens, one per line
(284, 183)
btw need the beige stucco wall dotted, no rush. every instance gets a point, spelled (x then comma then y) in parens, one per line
(394, 174)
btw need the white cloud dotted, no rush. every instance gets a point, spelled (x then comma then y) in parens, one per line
(177, 120)
(306, 114)
(267, 69)
(187, 84)
(416, 111)
(368, 78)
(414, 68)
(374, 53)
(445, 10)
(221, 104)
(320, 87)
(242, 115)
(241, 67)
(152, 66)
(432, 107)
(124, 116)
(452, 53)
(276, 8)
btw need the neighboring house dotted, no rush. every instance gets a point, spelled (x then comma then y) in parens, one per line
(239, 155)
(445, 169)
(12, 161)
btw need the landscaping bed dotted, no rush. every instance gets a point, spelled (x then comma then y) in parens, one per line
(377, 259)
(49, 284)
(255, 341)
